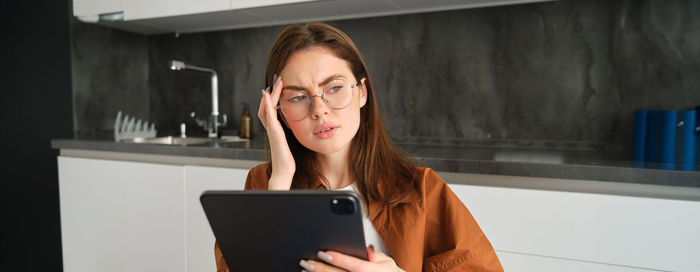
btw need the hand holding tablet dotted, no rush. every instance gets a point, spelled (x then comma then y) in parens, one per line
(274, 230)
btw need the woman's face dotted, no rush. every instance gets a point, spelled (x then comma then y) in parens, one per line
(325, 130)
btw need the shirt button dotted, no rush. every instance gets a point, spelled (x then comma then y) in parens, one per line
(383, 229)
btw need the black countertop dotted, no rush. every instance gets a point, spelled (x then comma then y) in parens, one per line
(510, 161)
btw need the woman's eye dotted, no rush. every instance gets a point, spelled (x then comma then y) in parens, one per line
(297, 98)
(335, 89)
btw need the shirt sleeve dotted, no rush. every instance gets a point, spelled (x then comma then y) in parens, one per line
(454, 241)
(257, 180)
(220, 262)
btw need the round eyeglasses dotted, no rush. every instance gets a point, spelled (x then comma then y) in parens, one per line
(296, 104)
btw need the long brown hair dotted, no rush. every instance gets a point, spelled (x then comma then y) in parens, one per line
(374, 159)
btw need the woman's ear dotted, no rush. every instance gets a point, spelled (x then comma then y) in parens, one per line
(363, 93)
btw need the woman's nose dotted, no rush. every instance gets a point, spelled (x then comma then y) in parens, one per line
(318, 107)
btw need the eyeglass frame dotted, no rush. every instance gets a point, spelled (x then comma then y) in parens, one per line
(323, 98)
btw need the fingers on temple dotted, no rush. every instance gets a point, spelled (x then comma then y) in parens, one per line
(261, 108)
(276, 90)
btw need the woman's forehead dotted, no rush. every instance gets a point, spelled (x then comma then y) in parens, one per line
(313, 66)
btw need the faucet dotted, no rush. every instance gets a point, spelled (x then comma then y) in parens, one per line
(213, 123)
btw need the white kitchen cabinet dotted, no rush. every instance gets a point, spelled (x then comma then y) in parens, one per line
(536, 230)
(528, 262)
(121, 216)
(139, 9)
(244, 4)
(137, 216)
(186, 16)
(96, 7)
(200, 239)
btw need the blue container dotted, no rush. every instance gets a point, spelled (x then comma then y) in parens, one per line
(667, 141)
(651, 140)
(640, 132)
(689, 140)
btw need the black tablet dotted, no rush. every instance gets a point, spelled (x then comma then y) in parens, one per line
(274, 230)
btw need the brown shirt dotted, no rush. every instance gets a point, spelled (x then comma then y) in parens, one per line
(437, 234)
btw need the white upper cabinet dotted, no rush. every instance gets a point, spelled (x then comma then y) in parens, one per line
(139, 9)
(267, 14)
(96, 7)
(164, 16)
(244, 4)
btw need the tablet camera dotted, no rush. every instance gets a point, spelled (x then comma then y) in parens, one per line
(343, 206)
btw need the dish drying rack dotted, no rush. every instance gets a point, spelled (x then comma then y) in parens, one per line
(129, 127)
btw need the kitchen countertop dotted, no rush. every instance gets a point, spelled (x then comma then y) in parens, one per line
(511, 161)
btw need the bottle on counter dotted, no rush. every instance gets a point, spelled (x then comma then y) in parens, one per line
(246, 130)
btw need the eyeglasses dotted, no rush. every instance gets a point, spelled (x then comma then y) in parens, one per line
(296, 104)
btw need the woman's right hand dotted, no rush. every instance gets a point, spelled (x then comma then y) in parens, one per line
(283, 165)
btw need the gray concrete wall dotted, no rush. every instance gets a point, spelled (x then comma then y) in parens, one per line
(560, 74)
(109, 71)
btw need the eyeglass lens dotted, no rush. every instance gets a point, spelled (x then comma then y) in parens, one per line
(296, 104)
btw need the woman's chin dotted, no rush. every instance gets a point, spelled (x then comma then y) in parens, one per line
(324, 149)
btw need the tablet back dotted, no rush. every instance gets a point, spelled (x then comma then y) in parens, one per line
(274, 230)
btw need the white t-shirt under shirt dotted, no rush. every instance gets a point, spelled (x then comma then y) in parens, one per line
(371, 235)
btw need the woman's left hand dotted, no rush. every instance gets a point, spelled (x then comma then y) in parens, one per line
(335, 261)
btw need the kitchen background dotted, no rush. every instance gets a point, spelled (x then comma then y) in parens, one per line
(564, 74)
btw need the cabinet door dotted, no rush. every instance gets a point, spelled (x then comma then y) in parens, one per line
(139, 9)
(548, 230)
(121, 216)
(518, 262)
(243, 4)
(200, 238)
(95, 7)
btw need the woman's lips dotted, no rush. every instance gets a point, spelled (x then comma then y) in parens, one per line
(326, 131)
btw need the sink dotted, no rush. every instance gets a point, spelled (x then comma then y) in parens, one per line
(171, 140)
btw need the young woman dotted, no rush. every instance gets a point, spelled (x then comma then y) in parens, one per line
(325, 132)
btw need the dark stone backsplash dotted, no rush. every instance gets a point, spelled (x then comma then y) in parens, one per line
(565, 74)
(109, 73)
